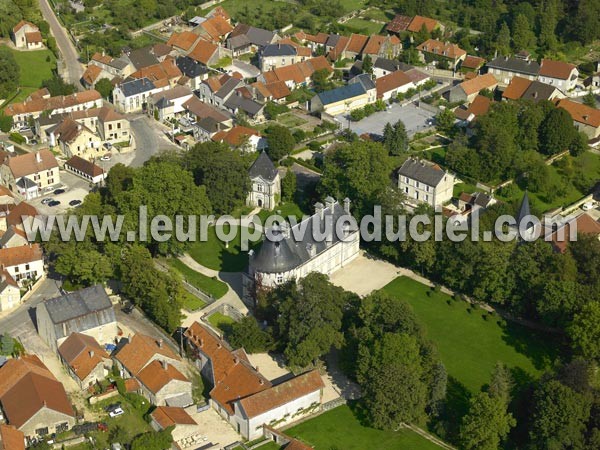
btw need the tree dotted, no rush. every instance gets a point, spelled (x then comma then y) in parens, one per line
(272, 110)
(556, 131)
(153, 440)
(6, 122)
(320, 80)
(486, 424)
(548, 21)
(247, 334)
(390, 373)
(7, 344)
(367, 64)
(395, 138)
(586, 24)
(590, 99)
(559, 416)
(9, 72)
(57, 86)
(584, 331)
(503, 40)
(523, 36)
(118, 434)
(444, 121)
(223, 172)
(281, 142)
(288, 186)
(104, 87)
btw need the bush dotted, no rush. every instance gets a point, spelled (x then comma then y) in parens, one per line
(357, 114)
(299, 135)
(17, 138)
(314, 146)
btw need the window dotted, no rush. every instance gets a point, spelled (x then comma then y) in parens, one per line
(16, 269)
(279, 279)
(42, 431)
(406, 190)
(62, 427)
(259, 187)
(109, 126)
(118, 125)
(26, 266)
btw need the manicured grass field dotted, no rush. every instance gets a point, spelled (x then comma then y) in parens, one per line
(290, 120)
(270, 446)
(34, 67)
(220, 321)
(365, 26)
(341, 429)
(463, 187)
(213, 254)
(470, 345)
(285, 210)
(215, 288)
(191, 302)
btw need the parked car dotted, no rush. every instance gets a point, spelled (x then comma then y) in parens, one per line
(24, 129)
(587, 206)
(107, 145)
(112, 407)
(59, 191)
(75, 202)
(116, 413)
(47, 200)
(106, 157)
(54, 203)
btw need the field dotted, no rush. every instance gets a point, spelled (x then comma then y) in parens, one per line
(285, 210)
(208, 285)
(364, 26)
(290, 120)
(213, 254)
(191, 302)
(341, 428)
(34, 69)
(470, 343)
(220, 321)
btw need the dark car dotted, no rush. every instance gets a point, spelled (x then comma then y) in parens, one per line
(74, 202)
(54, 203)
(112, 407)
(59, 191)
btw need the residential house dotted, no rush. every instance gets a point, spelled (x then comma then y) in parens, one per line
(245, 39)
(335, 46)
(208, 53)
(10, 292)
(478, 107)
(207, 119)
(29, 174)
(585, 118)
(141, 57)
(88, 311)
(217, 89)
(32, 399)
(75, 139)
(24, 264)
(504, 68)
(417, 76)
(104, 66)
(17, 215)
(131, 95)
(288, 257)
(276, 91)
(265, 183)
(523, 88)
(298, 74)
(214, 29)
(469, 89)
(243, 138)
(277, 55)
(184, 41)
(582, 224)
(112, 126)
(193, 70)
(85, 360)
(472, 64)
(593, 81)
(313, 41)
(398, 24)
(11, 438)
(185, 429)
(382, 47)
(85, 169)
(423, 182)
(559, 74)
(341, 100)
(434, 50)
(355, 46)
(163, 73)
(169, 104)
(420, 23)
(242, 395)
(238, 103)
(14, 236)
(157, 368)
(469, 203)
(26, 36)
(32, 108)
(389, 86)
(384, 66)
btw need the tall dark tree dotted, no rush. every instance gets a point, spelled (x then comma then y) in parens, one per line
(9, 73)
(395, 138)
(281, 142)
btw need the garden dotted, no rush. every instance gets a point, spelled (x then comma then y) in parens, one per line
(34, 68)
(210, 286)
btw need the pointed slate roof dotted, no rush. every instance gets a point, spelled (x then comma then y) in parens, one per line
(263, 167)
(524, 210)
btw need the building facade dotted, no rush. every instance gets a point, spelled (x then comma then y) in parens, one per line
(422, 182)
(265, 182)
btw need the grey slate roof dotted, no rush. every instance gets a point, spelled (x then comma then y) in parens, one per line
(421, 172)
(289, 253)
(142, 57)
(79, 304)
(524, 210)
(244, 35)
(332, 40)
(278, 50)
(190, 67)
(364, 79)
(136, 86)
(516, 65)
(26, 183)
(227, 87)
(391, 65)
(263, 167)
(182, 400)
(341, 93)
(538, 91)
(247, 105)
(119, 63)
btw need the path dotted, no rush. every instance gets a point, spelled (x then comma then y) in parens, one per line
(70, 56)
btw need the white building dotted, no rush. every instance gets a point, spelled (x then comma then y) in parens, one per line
(559, 74)
(424, 182)
(26, 36)
(22, 264)
(132, 96)
(299, 253)
(265, 183)
(28, 175)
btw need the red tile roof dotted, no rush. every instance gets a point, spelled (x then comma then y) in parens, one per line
(13, 256)
(278, 89)
(398, 23)
(446, 49)
(168, 416)
(203, 51)
(556, 69)
(390, 82)
(473, 62)
(183, 40)
(581, 113)
(235, 136)
(82, 353)
(487, 81)
(34, 37)
(158, 374)
(516, 88)
(417, 23)
(91, 74)
(585, 225)
(31, 163)
(22, 23)
(357, 43)
(136, 354)
(11, 438)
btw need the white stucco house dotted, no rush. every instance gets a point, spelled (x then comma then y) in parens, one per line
(560, 74)
(425, 182)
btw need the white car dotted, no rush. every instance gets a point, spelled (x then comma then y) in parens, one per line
(587, 206)
(105, 158)
(116, 412)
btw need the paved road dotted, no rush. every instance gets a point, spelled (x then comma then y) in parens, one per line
(74, 69)
(149, 139)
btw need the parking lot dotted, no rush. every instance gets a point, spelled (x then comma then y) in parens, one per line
(75, 189)
(414, 118)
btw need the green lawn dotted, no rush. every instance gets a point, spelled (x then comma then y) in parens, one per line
(341, 429)
(468, 344)
(270, 446)
(364, 26)
(464, 187)
(220, 321)
(290, 120)
(210, 286)
(285, 210)
(213, 254)
(191, 302)
(34, 67)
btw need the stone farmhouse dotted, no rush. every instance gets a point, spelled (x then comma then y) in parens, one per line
(85, 360)
(424, 182)
(26, 36)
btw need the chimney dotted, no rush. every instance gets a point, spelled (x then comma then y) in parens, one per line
(347, 205)
(159, 343)
(164, 364)
(329, 202)
(586, 117)
(311, 249)
(91, 353)
(319, 209)
(236, 360)
(38, 157)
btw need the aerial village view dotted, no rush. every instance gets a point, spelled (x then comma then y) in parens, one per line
(300, 224)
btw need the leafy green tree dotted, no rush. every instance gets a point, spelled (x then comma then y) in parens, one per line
(579, 143)
(104, 87)
(6, 122)
(486, 424)
(367, 64)
(556, 131)
(7, 344)
(390, 374)
(281, 142)
(119, 179)
(288, 186)
(118, 434)
(549, 16)
(590, 99)
(57, 86)
(272, 110)
(559, 416)
(320, 80)
(503, 39)
(584, 331)
(395, 138)
(223, 172)
(586, 24)
(153, 440)
(9, 73)
(444, 121)
(522, 33)
(247, 334)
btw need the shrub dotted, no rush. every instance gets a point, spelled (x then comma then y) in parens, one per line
(357, 114)
(17, 138)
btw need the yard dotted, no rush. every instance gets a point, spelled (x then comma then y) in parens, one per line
(290, 120)
(341, 428)
(191, 302)
(364, 26)
(285, 210)
(470, 341)
(210, 286)
(220, 321)
(35, 67)
(215, 255)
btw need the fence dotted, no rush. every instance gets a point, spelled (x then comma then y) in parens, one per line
(98, 398)
(227, 310)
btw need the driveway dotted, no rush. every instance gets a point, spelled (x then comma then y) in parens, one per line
(217, 430)
(365, 275)
(414, 118)
(70, 56)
